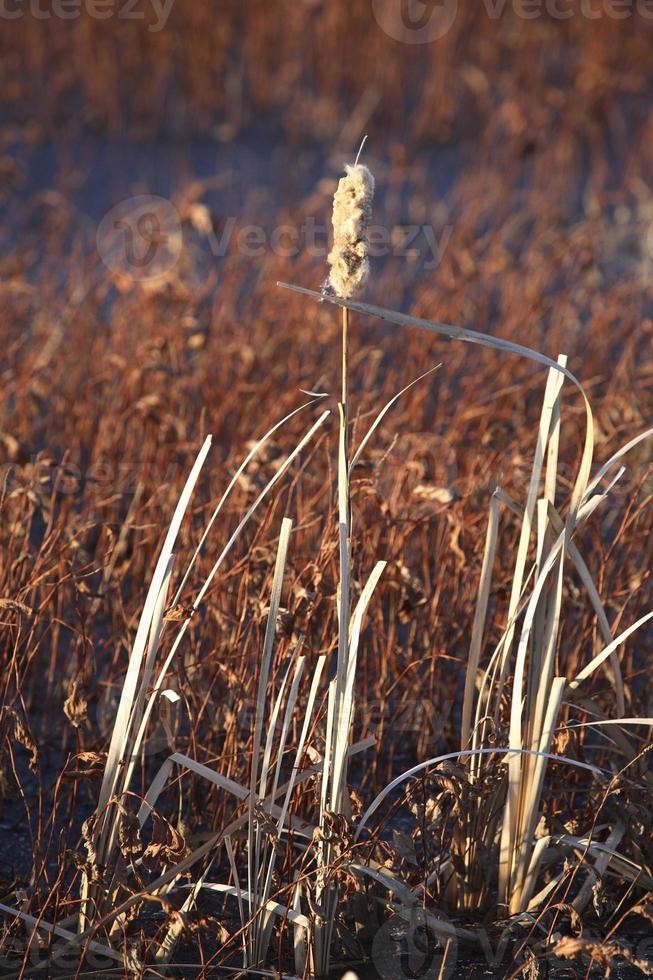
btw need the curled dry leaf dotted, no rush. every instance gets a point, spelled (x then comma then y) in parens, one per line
(13, 605)
(76, 706)
(437, 495)
(14, 729)
(604, 954)
(129, 835)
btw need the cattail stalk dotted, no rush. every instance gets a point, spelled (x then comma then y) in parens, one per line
(349, 270)
(345, 356)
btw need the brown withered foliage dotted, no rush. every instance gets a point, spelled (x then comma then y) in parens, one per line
(524, 149)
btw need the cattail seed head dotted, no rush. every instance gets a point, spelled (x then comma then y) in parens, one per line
(352, 209)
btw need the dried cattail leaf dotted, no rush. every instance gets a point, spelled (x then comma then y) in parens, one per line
(76, 706)
(129, 835)
(168, 845)
(438, 495)
(14, 729)
(13, 605)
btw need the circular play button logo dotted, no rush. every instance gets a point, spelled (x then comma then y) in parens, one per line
(415, 21)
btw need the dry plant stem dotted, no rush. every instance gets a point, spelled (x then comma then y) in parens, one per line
(345, 359)
(344, 520)
(326, 892)
(345, 523)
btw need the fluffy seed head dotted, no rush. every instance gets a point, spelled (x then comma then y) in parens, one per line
(352, 209)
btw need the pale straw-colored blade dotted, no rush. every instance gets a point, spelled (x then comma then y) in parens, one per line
(384, 411)
(120, 730)
(232, 483)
